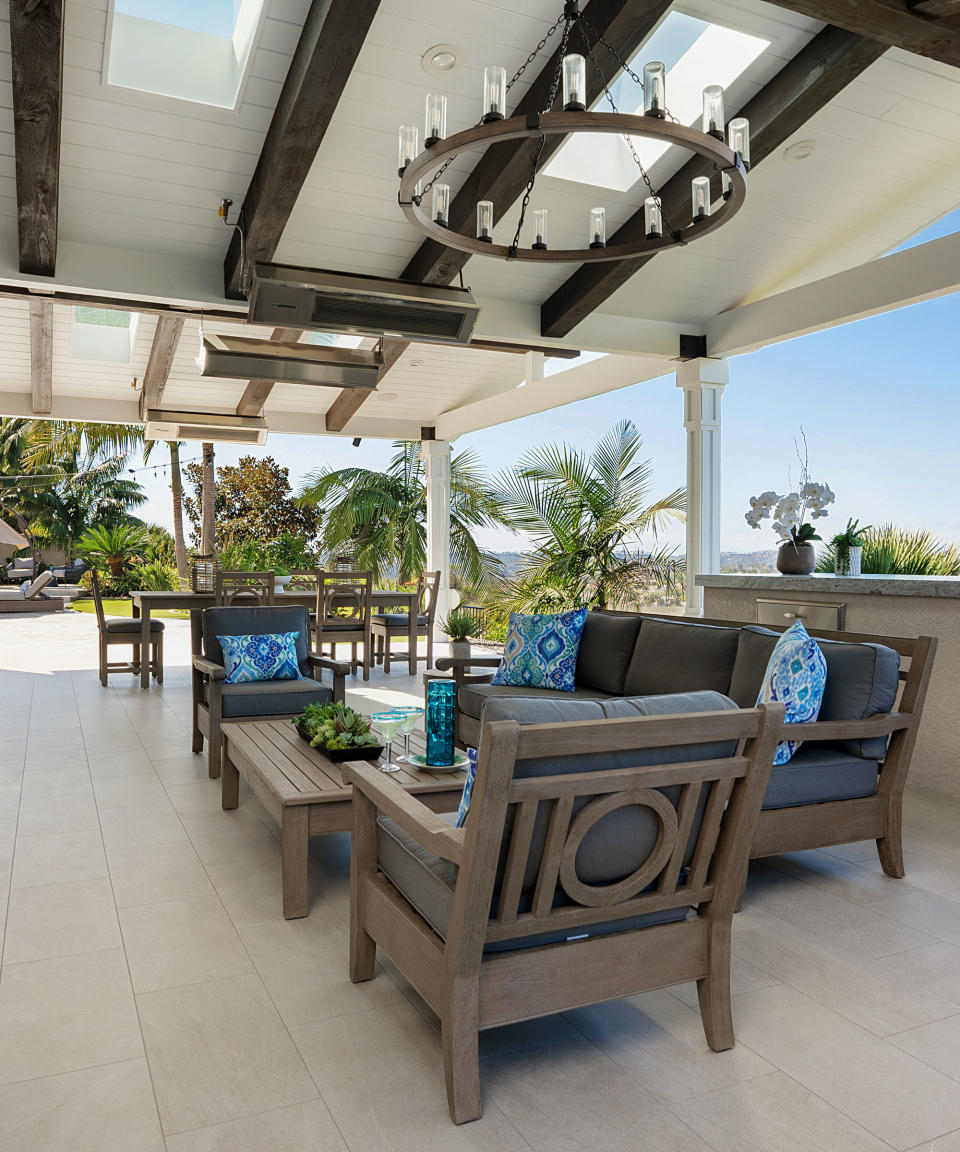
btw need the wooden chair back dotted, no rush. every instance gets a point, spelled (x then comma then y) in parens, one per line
(231, 586)
(304, 579)
(427, 585)
(344, 597)
(98, 600)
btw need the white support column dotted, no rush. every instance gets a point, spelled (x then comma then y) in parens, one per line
(703, 382)
(436, 456)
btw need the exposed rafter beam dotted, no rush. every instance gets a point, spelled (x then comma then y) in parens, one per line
(892, 22)
(257, 391)
(166, 337)
(800, 89)
(36, 42)
(350, 399)
(502, 173)
(41, 357)
(333, 34)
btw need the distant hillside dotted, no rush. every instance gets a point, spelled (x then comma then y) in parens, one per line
(748, 561)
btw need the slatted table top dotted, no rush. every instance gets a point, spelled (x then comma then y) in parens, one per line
(299, 774)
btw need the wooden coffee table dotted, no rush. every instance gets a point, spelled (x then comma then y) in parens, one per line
(305, 793)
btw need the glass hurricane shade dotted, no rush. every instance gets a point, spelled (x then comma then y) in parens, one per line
(441, 204)
(409, 146)
(652, 218)
(598, 228)
(485, 221)
(540, 228)
(494, 93)
(654, 89)
(700, 194)
(726, 185)
(574, 83)
(713, 110)
(436, 118)
(738, 137)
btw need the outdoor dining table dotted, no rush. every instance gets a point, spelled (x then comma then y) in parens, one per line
(144, 602)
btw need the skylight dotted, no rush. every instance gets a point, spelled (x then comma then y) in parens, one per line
(694, 53)
(103, 334)
(189, 49)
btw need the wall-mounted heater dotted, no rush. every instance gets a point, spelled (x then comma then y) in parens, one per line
(205, 426)
(244, 358)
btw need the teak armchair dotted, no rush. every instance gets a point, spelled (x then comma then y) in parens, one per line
(245, 587)
(390, 625)
(523, 876)
(344, 609)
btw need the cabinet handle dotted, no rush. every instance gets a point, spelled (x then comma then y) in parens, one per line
(794, 615)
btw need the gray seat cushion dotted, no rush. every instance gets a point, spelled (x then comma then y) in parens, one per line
(818, 774)
(862, 680)
(256, 621)
(272, 697)
(677, 656)
(606, 645)
(397, 619)
(472, 698)
(336, 625)
(124, 626)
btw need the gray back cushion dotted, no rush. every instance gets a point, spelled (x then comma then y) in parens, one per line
(621, 841)
(678, 656)
(862, 680)
(257, 621)
(606, 645)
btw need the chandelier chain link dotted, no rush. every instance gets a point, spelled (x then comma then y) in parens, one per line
(536, 52)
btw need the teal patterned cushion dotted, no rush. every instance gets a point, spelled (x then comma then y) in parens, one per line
(272, 656)
(796, 676)
(541, 651)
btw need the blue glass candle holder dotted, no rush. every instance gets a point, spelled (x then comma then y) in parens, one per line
(441, 722)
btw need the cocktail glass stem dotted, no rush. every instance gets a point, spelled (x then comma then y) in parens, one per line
(388, 765)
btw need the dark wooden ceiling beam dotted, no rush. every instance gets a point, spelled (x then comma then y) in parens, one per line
(166, 338)
(257, 392)
(934, 7)
(502, 173)
(801, 88)
(36, 43)
(350, 400)
(41, 357)
(333, 34)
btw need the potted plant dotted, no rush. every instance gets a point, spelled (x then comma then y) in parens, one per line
(847, 548)
(281, 578)
(459, 627)
(790, 512)
(341, 733)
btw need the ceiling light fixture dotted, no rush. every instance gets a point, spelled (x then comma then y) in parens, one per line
(725, 148)
(440, 58)
(802, 150)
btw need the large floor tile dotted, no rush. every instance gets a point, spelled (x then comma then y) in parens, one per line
(935, 968)
(252, 889)
(886, 1091)
(67, 1013)
(157, 873)
(302, 1128)
(181, 942)
(936, 1044)
(58, 857)
(856, 882)
(40, 815)
(105, 1109)
(925, 911)
(949, 1143)
(57, 782)
(130, 762)
(141, 826)
(219, 1051)
(226, 837)
(128, 791)
(60, 920)
(198, 798)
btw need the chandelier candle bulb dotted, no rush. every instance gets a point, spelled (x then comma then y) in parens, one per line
(738, 137)
(494, 93)
(700, 189)
(409, 146)
(726, 185)
(540, 229)
(441, 204)
(574, 83)
(654, 89)
(652, 219)
(598, 228)
(485, 221)
(436, 120)
(713, 111)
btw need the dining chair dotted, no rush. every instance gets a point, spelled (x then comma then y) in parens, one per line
(344, 606)
(113, 632)
(233, 586)
(386, 625)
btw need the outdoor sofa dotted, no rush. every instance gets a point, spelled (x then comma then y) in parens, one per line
(32, 598)
(846, 781)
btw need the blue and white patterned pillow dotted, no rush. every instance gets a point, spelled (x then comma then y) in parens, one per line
(467, 787)
(272, 656)
(541, 651)
(796, 676)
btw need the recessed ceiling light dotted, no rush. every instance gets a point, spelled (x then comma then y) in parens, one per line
(441, 58)
(414, 363)
(387, 395)
(802, 150)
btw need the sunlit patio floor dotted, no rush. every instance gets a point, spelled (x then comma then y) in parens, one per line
(152, 995)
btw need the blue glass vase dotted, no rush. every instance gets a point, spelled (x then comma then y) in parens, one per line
(441, 722)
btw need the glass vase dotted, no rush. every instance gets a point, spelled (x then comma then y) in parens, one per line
(441, 722)
(854, 561)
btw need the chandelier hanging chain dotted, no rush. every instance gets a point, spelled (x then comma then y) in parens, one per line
(536, 52)
(621, 62)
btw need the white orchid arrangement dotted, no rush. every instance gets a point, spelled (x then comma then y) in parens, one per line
(791, 510)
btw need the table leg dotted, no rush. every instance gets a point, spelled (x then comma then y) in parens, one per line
(230, 782)
(294, 849)
(412, 607)
(145, 646)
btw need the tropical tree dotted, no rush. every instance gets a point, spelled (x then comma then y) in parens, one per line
(115, 545)
(382, 516)
(901, 552)
(588, 515)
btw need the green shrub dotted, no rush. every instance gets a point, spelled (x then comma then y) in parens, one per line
(155, 576)
(890, 550)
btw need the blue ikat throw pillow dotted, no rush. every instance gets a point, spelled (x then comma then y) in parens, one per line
(541, 651)
(272, 656)
(796, 677)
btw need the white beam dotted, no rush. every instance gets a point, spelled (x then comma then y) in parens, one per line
(592, 378)
(909, 277)
(703, 382)
(436, 456)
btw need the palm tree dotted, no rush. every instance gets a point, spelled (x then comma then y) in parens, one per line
(208, 540)
(176, 489)
(382, 516)
(587, 515)
(116, 545)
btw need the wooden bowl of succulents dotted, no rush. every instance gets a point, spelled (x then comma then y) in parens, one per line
(339, 732)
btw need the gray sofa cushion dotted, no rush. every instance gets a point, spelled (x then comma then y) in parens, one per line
(817, 774)
(678, 656)
(606, 645)
(272, 697)
(473, 698)
(862, 680)
(256, 621)
(397, 619)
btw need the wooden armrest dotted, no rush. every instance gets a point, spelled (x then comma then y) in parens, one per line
(881, 725)
(208, 668)
(337, 667)
(461, 663)
(413, 816)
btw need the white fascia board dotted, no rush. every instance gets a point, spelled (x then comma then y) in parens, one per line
(96, 409)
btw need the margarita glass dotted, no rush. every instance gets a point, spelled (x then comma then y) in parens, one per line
(387, 725)
(410, 717)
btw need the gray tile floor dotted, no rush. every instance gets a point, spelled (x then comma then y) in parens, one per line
(152, 996)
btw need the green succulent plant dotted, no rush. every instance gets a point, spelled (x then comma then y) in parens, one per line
(459, 625)
(335, 726)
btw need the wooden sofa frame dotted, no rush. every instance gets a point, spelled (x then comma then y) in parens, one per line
(471, 989)
(878, 817)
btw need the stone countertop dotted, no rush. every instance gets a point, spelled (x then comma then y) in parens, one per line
(942, 587)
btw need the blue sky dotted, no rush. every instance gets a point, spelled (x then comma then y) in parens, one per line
(215, 17)
(878, 399)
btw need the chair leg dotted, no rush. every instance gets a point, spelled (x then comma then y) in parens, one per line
(363, 865)
(104, 659)
(461, 1064)
(386, 652)
(713, 990)
(379, 654)
(430, 648)
(367, 658)
(214, 747)
(890, 846)
(353, 657)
